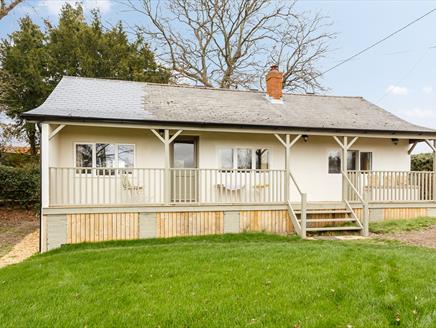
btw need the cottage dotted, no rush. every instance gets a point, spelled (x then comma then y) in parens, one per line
(126, 160)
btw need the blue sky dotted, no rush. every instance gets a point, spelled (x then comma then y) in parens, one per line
(398, 75)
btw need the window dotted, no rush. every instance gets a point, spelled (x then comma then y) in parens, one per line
(352, 160)
(226, 159)
(126, 155)
(244, 158)
(84, 155)
(366, 161)
(356, 160)
(334, 162)
(262, 160)
(103, 155)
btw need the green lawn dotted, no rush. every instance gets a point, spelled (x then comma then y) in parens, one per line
(250, 280)
(402, 225)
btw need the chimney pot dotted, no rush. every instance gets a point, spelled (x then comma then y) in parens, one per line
(274, 80)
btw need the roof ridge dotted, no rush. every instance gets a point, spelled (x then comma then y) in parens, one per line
(203, 87)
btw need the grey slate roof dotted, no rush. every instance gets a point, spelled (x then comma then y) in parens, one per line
(122, 101)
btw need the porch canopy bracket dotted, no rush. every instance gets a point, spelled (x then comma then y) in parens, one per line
(432, 146)
(56, 131)
(412, 147)
(287, 143)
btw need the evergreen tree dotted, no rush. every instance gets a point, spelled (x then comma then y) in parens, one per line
(33, 61)
(23, 75)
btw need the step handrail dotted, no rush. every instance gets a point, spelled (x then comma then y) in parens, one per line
(365, 208)
(300, 227)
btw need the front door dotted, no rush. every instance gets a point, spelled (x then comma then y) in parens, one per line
(183, 173)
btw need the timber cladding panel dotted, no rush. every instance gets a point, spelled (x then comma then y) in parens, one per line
(189, 224)
(266, 221)
(404, 213)
(96, 227)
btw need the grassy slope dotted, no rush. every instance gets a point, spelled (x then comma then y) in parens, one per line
(222, 281)
(402, 225)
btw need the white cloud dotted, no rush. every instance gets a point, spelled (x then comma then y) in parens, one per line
(397, 90)
(419, 113)
(54, 6)
(427, 90)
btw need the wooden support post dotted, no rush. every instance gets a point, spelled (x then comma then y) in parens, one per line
(287, 166)
(434, 170)
(287, 144)
(344, 168)
(45, 164)
(45, 182)
(432, 146)
(365, 214)
(303, 214)
(167, 179)
(345, 146)
(167, 140)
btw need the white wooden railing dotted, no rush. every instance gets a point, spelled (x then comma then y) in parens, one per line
(105, 186)
(353, 192)
(391, 186)
(299, 224)
(111, 186)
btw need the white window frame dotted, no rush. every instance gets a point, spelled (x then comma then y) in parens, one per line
(235, 156)
(94, 159)
(372, 158)
(357, 158)
(94, 153)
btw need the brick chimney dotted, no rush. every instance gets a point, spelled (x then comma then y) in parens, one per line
(274, 80)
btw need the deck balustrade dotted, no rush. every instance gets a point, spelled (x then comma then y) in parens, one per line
(116, 186)
(84, 186)
(392, 186)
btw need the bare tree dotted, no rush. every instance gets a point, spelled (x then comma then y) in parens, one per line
(5, 8)
(230, 43)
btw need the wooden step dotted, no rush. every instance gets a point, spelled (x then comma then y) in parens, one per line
(324, 211)
(333, 229)
(331, 220)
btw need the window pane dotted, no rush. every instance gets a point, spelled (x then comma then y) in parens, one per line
(244, 159)
(226, 159)
(126, 155)
(262, 159)
(105, 155)
(352, 160)
(366, 161)
(184, 154)
(334, 162)
(83, 155)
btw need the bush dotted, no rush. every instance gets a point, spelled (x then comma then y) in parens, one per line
(19, 186)
(422, 162)
(18, 160)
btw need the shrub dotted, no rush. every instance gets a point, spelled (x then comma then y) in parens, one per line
(422, 162)
(19, 186)
(18, 160)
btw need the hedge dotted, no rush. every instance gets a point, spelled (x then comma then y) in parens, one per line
(19, 186)
(422, 162)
